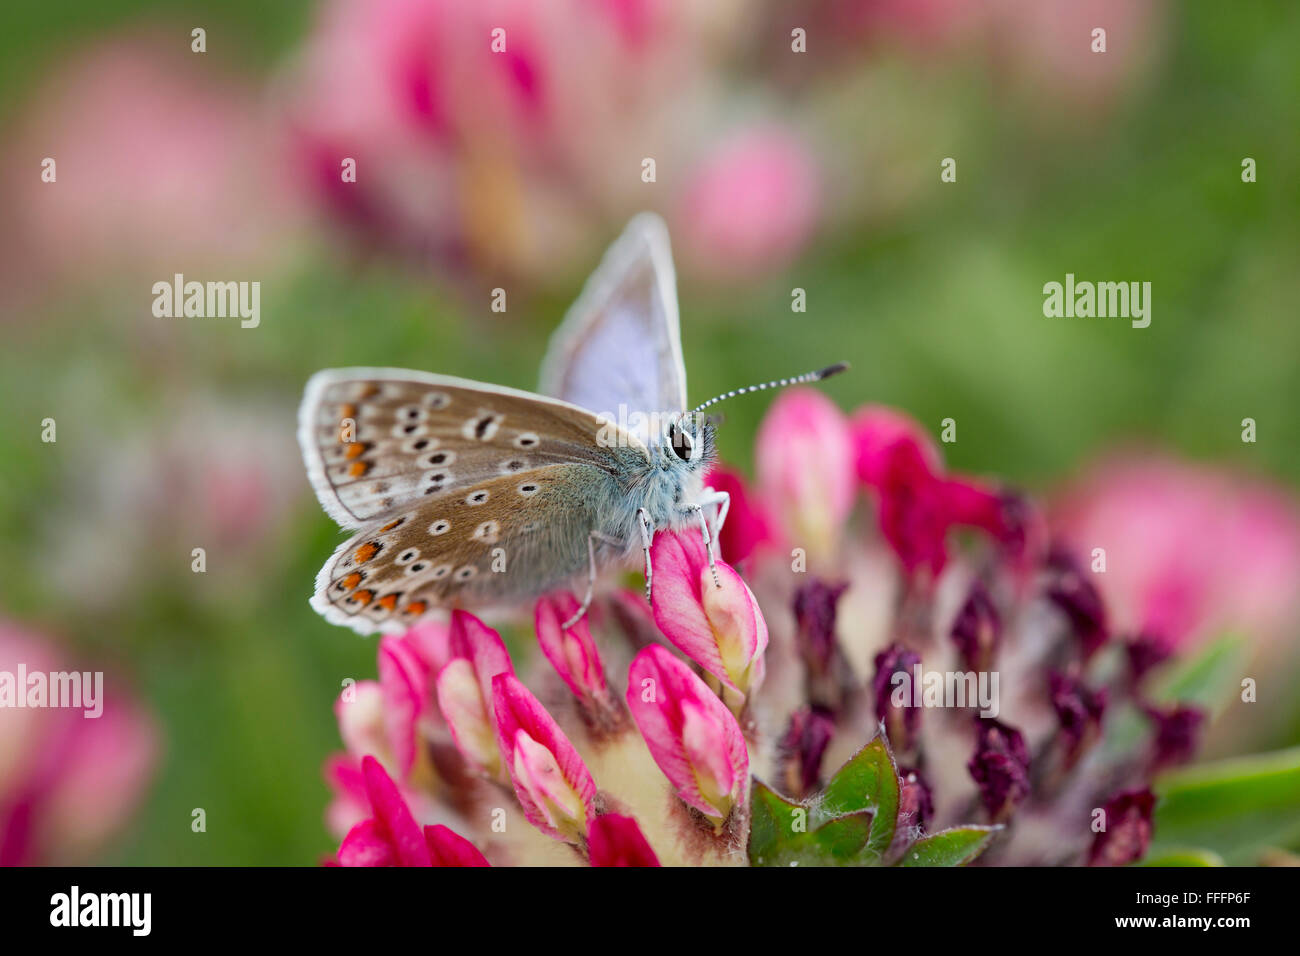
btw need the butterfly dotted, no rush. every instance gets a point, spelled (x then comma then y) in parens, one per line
(468, 495)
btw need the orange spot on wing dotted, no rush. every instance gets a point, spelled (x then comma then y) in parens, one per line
(417, 607)
(391, 525)
(365, 552)
(387, 602)
(354, 450)
(364, 597)
(352, 580)
(369, 391)
(358, 468)
(347, 411)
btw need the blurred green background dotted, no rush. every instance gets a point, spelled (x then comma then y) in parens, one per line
(938, 307)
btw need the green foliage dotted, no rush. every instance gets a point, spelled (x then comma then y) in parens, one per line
(854, 821)
(1236, 808)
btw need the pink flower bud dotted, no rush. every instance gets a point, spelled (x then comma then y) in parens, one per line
(720, 628)
(1128, 829)
(616, 840)
(552, 783)
(464, 690)
(469, 717)
(571, 651)
(805, 469)
(691, 734)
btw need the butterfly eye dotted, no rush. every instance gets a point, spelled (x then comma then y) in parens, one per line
(681, 442)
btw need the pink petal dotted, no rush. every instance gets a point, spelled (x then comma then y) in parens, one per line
(875, 429)
(361, 719)
(394, 816)
(806, 468)
(474, 641)
(572, 652)
(448, 848)
(689, 731)
(616, 840)
(404, 680)
(469, 716)
(367, 845)
(519, 712)
(349, 805)
(431, 640)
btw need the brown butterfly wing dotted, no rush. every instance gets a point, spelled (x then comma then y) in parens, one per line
(374, 439)
(464, 494)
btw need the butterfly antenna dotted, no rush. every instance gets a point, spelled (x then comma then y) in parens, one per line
(804, 379)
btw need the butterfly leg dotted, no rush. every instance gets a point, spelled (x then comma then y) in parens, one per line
(592, 538)
(647, 537)
(720, 499)
(708, 541)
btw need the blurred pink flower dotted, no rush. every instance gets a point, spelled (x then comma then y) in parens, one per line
(718, 627)
(552, 783)
(1191, 551)
(1046, 46)
(750, 204)
(374, 720)
(470, 155)
(392, 837)
(691, 734)
(805, 469)
(163, 165)
(68, 781)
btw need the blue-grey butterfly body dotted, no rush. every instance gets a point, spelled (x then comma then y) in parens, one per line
(464, 494)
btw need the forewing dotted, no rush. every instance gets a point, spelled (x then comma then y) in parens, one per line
(375, 441)
(620, 343)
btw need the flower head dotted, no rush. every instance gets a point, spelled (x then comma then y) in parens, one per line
(691, 734)
(800, 751)
(1128, 829)
(1000, 767)
(899, 712)
(552, 783)
(464, 691)
(571, 650)
(717, 625)
(977, 629)
(69, 778)
(1079, 712)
